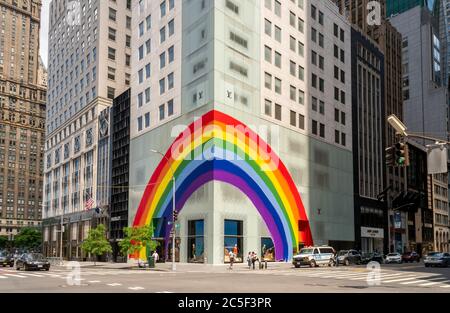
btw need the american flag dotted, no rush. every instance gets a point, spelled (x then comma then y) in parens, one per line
(89, 203)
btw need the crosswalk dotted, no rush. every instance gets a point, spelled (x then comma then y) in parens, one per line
(384, 277)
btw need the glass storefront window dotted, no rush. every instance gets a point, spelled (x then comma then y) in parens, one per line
(233, 235)
(267, 249)
(196, 241)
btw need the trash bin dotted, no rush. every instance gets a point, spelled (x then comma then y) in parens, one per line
(151, 262)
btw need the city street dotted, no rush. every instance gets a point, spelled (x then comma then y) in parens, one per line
(219, 279)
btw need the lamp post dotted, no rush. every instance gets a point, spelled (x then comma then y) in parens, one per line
(173, 207)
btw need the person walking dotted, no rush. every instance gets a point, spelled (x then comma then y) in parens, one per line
(249, 260)
(232, 256)
(254, 259)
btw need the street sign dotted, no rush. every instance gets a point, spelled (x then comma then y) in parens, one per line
(437, 159)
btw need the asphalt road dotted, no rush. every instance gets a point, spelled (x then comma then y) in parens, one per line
(284, 279)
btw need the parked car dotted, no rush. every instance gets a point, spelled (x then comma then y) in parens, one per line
(314, 256)
(394, 258)
(437, 259)
(32, 261)
(411, 257)
(372, 257)
(348, 257)
(6, 259)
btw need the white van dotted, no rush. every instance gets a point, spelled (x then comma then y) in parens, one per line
(314, 256)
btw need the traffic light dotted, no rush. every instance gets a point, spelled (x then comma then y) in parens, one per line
(175, 216)
(390, 156)
(401, 154)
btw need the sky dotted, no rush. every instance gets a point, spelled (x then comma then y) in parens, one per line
(44, 31)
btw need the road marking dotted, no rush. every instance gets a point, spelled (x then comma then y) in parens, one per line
(445, 286)
(163, 292)
(114, 284)
(3, 277)
(414, 282)
(136, 288)
(15, 275)
(399, 280)
(35, 275)
(435, 283)
(94, 281)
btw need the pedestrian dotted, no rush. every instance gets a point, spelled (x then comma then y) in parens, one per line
(254, 259)
(249, 260)
(232, 256)
(336, 259)
(155, 256)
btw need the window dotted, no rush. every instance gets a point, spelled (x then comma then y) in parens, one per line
(343, 139)
(162, 34)
(171, 27)
(268, 107)
(278, 34)
(161, 112)
(140, 100)
(268, 27)
(141, 76)
(337, 136)
(293, 119)
(277, 8)
(170, 108)
(147, 120)
(171, 54)
(112, 34)
(111, 53)
(301, 121)
(278, 112)
(141, 29)
(148, 21)
(162, 8)
(268, 80)
(277, 59)
(170, 81)
(162, 86)
(148, 46)
(162, 60)
(314, 127)
(314, 104)
(322, 130)
(293, 93)
(111, 92)
(139, 123)
(268, 54)
(278, 85)
(233, 237)
(112, 14)
(147, 95)
(147, 70)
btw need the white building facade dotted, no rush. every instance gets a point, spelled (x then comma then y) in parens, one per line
(269, 64)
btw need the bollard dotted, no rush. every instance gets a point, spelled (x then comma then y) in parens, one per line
(265, 264)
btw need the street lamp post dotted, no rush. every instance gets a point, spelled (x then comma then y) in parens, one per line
(173, 207)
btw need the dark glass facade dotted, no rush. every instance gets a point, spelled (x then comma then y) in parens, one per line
(120, 151)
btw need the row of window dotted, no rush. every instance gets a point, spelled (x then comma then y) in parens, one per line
(144, 122)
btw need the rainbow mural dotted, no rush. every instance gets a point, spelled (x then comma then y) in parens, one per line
(217, 147)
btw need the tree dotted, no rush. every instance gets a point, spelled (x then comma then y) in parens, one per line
(3, 242)
(96, 242)
(28, 238)
(136, 238)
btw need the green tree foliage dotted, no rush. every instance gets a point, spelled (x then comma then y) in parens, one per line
(96, 243)
(136, 238)
(3, 242)
(28, 238)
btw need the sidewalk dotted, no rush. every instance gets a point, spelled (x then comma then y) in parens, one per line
(180, 267)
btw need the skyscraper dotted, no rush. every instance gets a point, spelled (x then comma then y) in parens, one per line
(89, 65)
(389, 41)
(205, 63)
(22, 119)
